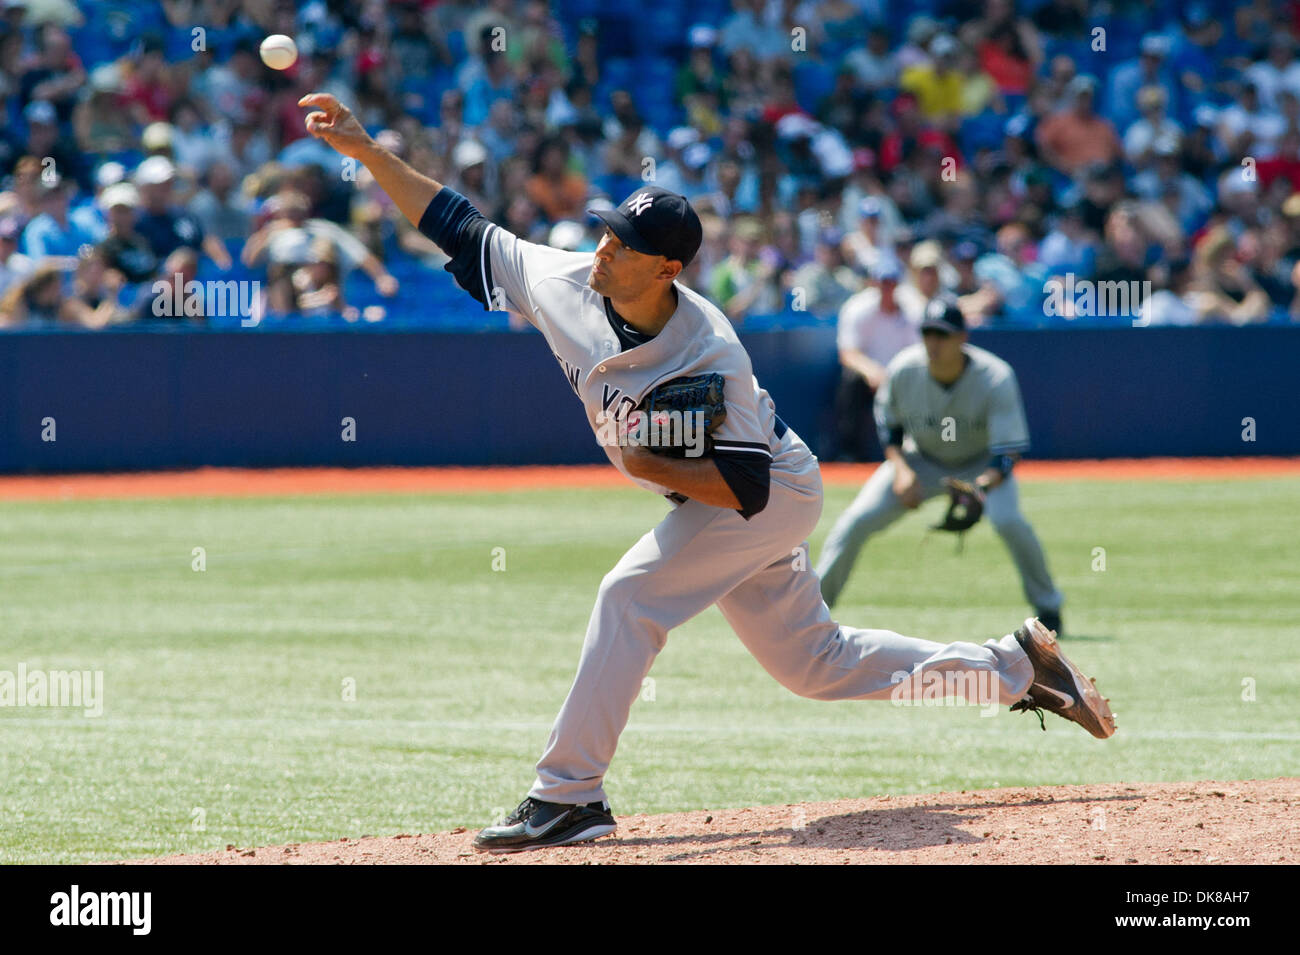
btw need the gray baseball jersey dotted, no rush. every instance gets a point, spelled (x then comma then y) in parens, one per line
(549, 288)
(752, 562)
(979, 415)
(951, 431)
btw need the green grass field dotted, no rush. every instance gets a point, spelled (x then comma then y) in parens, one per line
(225, 719)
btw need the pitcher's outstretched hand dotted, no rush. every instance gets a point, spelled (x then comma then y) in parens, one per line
(336, 124)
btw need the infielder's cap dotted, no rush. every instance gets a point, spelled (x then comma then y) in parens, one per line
(654, 221)
(944, 316)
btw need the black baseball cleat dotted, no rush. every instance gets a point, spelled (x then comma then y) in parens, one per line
(1051, 619)
(1059, 686)
(536, 824)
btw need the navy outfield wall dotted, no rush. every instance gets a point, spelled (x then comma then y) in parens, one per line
(142, 398)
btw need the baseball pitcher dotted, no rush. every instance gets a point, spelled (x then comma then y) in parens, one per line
(949, 417)
(624, 330)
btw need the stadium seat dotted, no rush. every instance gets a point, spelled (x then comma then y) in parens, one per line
(981, 132)
(456, 46)
(813, 81)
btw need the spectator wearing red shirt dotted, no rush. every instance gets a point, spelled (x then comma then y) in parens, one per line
(1003, 57)
(148, 91)
(1008, 46)
(1285, 165)
(782, 100)
(909, 135)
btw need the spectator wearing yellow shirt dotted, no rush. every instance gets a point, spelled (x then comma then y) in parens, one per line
(939, 85)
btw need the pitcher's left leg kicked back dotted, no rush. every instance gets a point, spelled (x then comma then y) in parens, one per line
(700, 555)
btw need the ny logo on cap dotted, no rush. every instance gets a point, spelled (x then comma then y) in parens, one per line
(640, 203)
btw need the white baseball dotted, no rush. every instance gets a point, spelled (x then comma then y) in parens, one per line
(279, 52)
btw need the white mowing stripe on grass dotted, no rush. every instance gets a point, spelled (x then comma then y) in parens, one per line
(748, 729)
(182, 556)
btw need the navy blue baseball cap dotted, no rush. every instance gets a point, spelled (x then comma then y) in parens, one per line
(944, 316)
(655, 221)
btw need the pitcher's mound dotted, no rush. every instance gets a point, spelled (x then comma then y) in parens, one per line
(1250, 821)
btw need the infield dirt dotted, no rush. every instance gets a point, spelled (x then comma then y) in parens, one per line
(1244, 821)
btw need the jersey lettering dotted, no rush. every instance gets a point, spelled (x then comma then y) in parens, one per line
(571, 372)
(608, 396)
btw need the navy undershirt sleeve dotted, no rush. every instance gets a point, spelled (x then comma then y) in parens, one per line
(748, 477)
(456, 227)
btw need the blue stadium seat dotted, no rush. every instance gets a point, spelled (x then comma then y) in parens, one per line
(618, 72)
(572, 9)
(813, 81)
(456, 45)
(981, 132)
(178, 45)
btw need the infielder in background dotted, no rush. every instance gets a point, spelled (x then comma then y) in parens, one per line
(620, 326)
(946, 409)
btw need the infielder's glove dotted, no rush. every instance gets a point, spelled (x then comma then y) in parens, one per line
(701, 411)
(965, 507)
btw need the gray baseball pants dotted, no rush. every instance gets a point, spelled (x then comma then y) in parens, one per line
(876, 507)
(757, 572)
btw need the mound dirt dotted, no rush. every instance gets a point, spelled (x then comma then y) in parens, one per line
(1243, 821)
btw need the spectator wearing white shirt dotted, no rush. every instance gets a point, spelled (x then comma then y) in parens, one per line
(194, 145)
(867, 245)
(1154, 127)
(751, 28)
(874, 326)
(1279, 72)
(1247, 128)
(1170, 304)
(875, 65)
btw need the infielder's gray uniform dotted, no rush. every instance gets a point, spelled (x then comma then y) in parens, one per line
(753, 566)
(950, 432)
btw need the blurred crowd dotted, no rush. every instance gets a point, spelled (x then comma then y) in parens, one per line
(839, 152)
